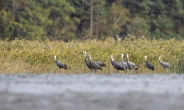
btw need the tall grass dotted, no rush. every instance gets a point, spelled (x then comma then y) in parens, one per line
(21, 56)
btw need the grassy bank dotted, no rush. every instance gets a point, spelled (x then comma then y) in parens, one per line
(21, 56)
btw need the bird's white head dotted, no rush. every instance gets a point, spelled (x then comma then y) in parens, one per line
(85, 53)
(122, 55)
(145, 57)
(159, 57)
(127, 55)
(54, 57)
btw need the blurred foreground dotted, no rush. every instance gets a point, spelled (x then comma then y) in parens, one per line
(91, 92)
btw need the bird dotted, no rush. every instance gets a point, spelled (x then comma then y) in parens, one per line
(148, 64)
(131, 65)
(116, 65)
(164, 64)
(87, 62)
(94, 65)
(123, 62)
(60, 64)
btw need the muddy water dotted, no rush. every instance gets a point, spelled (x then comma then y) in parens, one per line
(91, 92)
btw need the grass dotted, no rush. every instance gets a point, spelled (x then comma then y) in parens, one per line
(21, 56)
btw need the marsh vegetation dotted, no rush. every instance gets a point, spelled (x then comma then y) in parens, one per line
(20, 56)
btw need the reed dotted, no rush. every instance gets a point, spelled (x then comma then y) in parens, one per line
(20, 56)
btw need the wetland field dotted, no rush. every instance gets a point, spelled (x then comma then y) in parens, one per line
(30, 80)
(21, 56)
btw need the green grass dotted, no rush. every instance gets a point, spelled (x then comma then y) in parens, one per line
(21, 56)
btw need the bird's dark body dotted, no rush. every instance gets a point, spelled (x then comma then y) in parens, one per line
(117, 65)
(95, 65)
(165, 65)
(132, 66)
(125, 64)
(61, 65)
(88, 63)
(149, 66)
(102, 64)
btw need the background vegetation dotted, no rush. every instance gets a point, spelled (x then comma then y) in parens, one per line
(32, 31)
(95, 19)
(21, 56)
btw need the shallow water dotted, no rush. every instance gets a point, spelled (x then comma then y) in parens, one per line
(92, 83)
(92, 91)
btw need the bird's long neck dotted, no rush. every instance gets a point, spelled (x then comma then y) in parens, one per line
(85, 58)
(90, 57)
(127, 59)
(122, 58)
(55, 58)
(159, 59)
(56, 61)
(145, 58)
(112, 58)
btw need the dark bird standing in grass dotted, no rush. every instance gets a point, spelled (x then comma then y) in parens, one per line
(164, 64)
(102, 64)
(148, 65)
(60, 64)
(94, 65)
(131, 65)
(116, 65)
(87, 62)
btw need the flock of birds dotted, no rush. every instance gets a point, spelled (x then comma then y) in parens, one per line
(123, 65)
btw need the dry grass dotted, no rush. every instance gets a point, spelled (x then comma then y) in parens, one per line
(21, 56)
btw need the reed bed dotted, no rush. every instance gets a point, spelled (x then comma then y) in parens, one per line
(20, 56)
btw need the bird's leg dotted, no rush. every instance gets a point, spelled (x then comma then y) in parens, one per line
(125, 71)
(60, 71)
(117, 71)
(147, 70)
(90, 70)
(101, 70)
(95, 70)
(130, 72)
(167, 70)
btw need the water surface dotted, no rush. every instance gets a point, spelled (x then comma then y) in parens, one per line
(92, 91)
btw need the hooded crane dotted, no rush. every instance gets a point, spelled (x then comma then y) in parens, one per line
(100, 63)
(87, 62)
(116, 65)
(148, 65)
(164, 64)
(94, 65)
(131, 65)
(60, 64)
(123, 62)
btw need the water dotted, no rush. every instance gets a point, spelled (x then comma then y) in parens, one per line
(94, 91)
(92, 83)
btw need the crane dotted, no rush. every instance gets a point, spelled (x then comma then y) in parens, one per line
(148, 64)
(60, 64)
(116, 65)
(131, 65)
